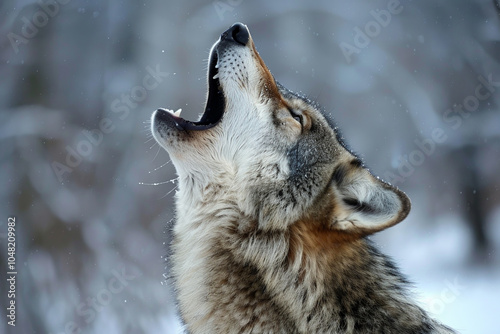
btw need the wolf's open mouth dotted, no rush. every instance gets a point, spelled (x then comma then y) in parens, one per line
(236, 35)
(214, 109)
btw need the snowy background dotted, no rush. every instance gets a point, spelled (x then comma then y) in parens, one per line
(416, 93)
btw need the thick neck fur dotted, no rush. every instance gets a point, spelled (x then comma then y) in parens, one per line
(232, 277)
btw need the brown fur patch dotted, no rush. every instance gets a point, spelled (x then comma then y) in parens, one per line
(268, 88)
(320, 241)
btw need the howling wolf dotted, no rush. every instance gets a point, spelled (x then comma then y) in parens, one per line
(273, 213)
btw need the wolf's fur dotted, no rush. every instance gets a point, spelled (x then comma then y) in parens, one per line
(273, 213)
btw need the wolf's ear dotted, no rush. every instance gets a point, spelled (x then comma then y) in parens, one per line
(363, 203)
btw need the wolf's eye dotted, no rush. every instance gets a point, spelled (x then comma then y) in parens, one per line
(296, 117)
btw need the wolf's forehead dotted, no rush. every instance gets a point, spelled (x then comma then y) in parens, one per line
(297, 98)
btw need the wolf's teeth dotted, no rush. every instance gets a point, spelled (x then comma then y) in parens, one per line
(216, 76)
(217, 65)
(175, 113)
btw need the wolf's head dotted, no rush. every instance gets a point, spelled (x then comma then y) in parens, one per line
(272, 151)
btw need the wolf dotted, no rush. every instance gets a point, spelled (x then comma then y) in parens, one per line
(273, 213)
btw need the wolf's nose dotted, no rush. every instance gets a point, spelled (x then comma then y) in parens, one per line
(237, 33)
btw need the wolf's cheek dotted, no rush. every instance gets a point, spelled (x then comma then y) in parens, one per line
(278, 203)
